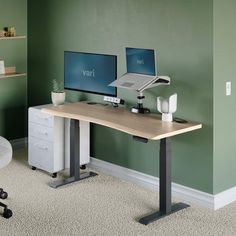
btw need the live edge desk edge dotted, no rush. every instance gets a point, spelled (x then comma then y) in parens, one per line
(145, 126)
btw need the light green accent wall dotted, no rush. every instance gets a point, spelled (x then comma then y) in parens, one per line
(224, 106)
(180, 32)
(13, 91)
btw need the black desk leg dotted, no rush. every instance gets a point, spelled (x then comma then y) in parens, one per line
(74, 158)
(166, 208)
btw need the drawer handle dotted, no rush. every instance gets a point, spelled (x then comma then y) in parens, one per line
(43, 133)
(42, 148)
(42, 118)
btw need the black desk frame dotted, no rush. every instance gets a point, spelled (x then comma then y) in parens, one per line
(75, 174)
(165, 204)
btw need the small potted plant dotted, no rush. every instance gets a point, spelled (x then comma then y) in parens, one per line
(58, 94)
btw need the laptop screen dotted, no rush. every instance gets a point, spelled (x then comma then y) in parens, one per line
(140, 61)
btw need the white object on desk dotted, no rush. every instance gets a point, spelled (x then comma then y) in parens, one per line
(167, 107)
(58, 98)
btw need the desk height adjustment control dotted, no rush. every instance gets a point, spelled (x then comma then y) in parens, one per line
(140, 139)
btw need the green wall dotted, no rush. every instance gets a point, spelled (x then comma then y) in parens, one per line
(224, 106)
(13, 91)
(180, 31)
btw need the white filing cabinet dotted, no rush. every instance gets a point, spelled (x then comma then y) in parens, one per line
(49, 141)
(46, 141)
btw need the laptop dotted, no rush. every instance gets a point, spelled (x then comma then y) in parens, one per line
(141, 70)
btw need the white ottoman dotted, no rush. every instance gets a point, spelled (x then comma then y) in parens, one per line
(5, 152)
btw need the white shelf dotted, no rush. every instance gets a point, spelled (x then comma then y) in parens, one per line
(9, 38)
(4, 76)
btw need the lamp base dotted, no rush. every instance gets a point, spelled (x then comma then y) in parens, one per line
(167, 117)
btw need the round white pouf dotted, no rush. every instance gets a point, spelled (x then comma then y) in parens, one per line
(5, 152)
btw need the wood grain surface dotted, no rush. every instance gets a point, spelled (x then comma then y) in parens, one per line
(148, 126)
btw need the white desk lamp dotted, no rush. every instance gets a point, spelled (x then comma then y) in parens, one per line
(167, 107)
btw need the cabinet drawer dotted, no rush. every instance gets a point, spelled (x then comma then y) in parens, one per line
(40, 131)
(41, 154)
(36, 116)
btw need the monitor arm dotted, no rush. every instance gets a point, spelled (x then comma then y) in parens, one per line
(139, 107)
(162, 80)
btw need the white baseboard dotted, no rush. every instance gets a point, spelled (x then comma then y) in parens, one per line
(224, 198)
(19, 143)
(186, 194)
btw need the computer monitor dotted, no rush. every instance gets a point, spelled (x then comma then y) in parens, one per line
(90, 72)
(140, 61)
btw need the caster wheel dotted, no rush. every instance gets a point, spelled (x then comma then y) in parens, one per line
(83, 167)
(33, 168)
(3, 195)
(54, 175)
(7, 213)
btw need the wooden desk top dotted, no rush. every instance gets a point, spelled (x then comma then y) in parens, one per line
(147, 126)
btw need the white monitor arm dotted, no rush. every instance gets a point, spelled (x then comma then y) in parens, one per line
(161, 80)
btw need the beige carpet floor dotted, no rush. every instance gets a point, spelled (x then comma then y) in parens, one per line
(103, 205)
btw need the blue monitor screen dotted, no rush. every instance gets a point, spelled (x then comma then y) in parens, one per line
(90, 72)
(140, 61)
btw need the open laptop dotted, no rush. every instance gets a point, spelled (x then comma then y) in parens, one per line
(141, 70)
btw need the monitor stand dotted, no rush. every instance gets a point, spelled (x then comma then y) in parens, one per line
(139, 108)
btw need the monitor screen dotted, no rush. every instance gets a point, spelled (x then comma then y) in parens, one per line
(88, 72)
(140, 61)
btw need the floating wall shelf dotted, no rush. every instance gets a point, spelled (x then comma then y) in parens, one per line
(12, 75)
(9, 38)
(11, 72)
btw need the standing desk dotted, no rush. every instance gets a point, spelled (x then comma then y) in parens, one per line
(142, 127)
